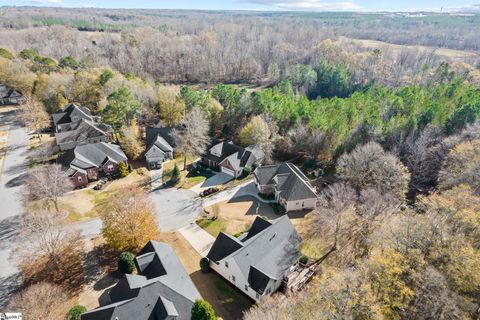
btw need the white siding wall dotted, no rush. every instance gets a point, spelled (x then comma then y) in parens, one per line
(240, 280)
(297, 205)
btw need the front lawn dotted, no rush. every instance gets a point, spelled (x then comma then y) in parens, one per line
(213, 226)
(169, 165)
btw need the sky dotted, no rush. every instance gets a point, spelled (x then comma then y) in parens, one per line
(267, 5)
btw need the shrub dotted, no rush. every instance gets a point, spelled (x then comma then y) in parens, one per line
(246, 171)
(75, 312)
(123, 169)
(6, 54)
(175, 174)
(204, 264)
(125, 262)
(303, 259)
(202, 310)
(28, 54)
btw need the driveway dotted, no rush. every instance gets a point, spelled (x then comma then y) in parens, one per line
(175, 208)
(12, 176)
(156, 178)
(200, 239)
(216, 180)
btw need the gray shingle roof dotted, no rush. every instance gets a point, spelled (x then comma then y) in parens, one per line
(153, 133)
(81, 131)
(159, 291)
(92, 155)
(268, 252)
(238, 157)
(6, 92)
(288, 179)
(71, 112)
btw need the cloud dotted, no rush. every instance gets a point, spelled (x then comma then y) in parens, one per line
(56, 3)
(307, 5)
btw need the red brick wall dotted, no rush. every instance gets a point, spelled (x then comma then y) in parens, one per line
(79, 179)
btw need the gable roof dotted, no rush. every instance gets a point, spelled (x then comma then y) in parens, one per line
(267, 251)
(164, 132)
(82, 130)
(288, 179)
(155, 293)
(70, 113)
(161, 144)
(237, 156)
(92, 155)
(6, 92)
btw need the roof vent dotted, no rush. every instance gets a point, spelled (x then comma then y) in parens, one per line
(273, 236)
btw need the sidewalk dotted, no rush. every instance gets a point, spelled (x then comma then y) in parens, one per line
(198, 238)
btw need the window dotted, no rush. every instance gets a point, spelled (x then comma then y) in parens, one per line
(233, 278)
(246, 287)
(268, 290)
(110, 167)
(226, 264)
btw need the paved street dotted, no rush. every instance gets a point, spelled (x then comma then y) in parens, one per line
(175, 208)
(12, 175)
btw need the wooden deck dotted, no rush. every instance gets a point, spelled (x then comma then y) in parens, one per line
(298, 277)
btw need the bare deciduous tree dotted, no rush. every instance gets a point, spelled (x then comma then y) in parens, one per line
(40, 301)
(34, 115)
(48, 183)
(192, 137)
(370, 166)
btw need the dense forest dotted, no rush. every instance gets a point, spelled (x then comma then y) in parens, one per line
(398, 229)
(238, 47)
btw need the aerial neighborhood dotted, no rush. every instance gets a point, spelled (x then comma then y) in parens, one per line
(203, 165)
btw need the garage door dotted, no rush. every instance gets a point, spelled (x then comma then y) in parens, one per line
(227, 171)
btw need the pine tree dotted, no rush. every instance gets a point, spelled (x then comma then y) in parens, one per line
(175, 174)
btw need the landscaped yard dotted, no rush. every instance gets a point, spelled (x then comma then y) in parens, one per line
(235, 215)
(82, 204)
(178, 160)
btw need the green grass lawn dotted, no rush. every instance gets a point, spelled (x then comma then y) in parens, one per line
(168, 167)
(214, 227)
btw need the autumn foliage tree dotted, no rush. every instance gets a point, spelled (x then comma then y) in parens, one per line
(128, 220)
(34, 116)
(40, 301)
(49, 250)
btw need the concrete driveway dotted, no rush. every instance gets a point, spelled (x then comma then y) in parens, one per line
(175, 208)
(12, 177)
(216, 180)
(200, 239)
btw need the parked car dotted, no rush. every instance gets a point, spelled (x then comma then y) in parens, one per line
(209, 191)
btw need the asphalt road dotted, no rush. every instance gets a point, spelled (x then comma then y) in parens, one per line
(12, 176)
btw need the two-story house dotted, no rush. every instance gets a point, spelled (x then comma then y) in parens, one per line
(232, 159)
(258, 261)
